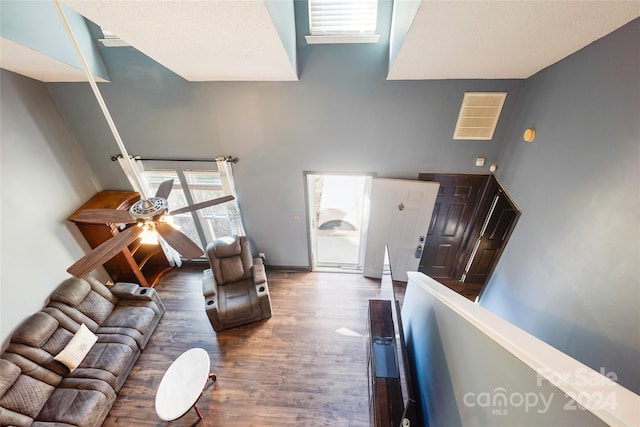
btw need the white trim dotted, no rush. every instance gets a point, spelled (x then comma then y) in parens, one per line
(353, 38)
(113, 42)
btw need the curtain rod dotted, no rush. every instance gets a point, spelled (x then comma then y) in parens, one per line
(158, 159)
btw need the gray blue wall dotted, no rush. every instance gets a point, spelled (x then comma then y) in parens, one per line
(44, 179)
(569, 274)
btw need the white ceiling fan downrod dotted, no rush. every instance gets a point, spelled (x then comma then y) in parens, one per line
(136, 182)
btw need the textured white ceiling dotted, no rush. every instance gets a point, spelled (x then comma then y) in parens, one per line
(198, 40)
(452, 39)
(227, 40)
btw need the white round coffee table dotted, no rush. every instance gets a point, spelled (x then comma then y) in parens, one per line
(182, 384)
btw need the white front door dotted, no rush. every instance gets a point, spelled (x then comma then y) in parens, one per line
(399, 218)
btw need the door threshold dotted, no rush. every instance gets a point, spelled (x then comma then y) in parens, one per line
(338, 269)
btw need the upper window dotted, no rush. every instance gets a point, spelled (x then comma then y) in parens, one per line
(111, 40)
(343, 21)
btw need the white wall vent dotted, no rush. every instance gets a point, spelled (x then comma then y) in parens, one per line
(479, 115)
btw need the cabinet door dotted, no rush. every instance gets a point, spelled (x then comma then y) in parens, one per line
(497, 229)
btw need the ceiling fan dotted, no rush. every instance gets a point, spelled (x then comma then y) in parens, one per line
(147, 214)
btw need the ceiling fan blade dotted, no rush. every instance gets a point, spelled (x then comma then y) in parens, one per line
(104, 252)
(165, 189)
(178, 241)
(201, 205)
(105, 216)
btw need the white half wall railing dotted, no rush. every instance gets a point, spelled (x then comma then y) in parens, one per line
(471, 367)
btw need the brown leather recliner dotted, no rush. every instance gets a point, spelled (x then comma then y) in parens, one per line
(235, 288)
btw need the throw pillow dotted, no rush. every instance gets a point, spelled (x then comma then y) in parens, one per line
(77, 348)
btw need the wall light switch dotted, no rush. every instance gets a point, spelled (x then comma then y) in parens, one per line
(480, 161)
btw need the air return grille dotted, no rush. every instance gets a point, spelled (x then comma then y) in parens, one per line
(479, 115)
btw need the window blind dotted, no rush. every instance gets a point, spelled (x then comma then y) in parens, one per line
(342, 17)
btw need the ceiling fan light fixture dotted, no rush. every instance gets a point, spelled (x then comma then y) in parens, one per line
(149, 235)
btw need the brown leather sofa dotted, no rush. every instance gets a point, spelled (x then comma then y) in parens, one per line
(235, 287)
(36, 389)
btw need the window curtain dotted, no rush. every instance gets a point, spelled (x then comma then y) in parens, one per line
(138, 171)
(233, 208)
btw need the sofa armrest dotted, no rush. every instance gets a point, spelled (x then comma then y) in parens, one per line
(210, 291)
(209, 284)
(259, 274)
(262, 289)
(124, 289)
(133, 291)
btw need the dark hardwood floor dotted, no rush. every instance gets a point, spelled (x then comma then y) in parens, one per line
(294, 369)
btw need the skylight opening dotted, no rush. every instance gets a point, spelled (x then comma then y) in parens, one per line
(343, 21)
(111, 40)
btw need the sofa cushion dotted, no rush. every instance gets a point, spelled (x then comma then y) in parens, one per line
(34, 369)
(77, 402)
(36, 330)
(57, 341)
(227, 246)
(27, 395)
(9, 373)
(71, 292)
(138, 317)
(96, 307)
(74, 407)
(21, 396)
(38, 339)
(230, 259)
(238, 302)
(101, 288)
(110, 362)
(231, 269)
(84, 301)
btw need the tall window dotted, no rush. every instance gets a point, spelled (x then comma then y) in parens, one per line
(191, 187)
(206, 185)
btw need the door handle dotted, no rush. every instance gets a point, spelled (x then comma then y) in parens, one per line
(418, 252)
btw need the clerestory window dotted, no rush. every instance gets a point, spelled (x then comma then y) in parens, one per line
(342, 21)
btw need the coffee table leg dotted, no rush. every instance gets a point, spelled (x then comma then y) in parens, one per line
(195, 406)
